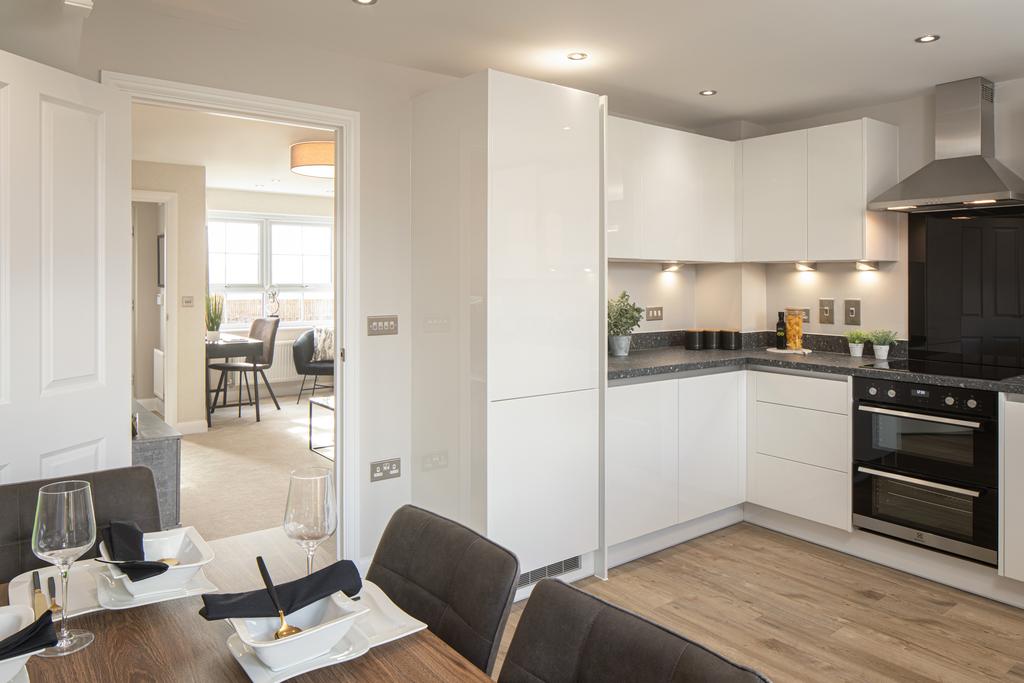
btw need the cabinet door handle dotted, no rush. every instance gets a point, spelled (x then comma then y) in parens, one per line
(920, 482)
(919, 416)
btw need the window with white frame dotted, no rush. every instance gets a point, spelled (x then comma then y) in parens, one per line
(249, 254)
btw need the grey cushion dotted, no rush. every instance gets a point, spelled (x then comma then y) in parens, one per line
(127, 493)
(450, 577)
(567, 636)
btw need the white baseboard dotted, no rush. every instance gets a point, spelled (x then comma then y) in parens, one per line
(928, 564)
(674, 535)
(153, 405)
(193, 427)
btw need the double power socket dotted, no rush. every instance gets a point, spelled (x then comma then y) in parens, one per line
(827, 312)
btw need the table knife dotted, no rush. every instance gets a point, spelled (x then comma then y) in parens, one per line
(39, 604)
(51, 588)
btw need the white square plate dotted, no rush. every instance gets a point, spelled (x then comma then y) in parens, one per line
(183, 544)
(81, 587)
(112, 594)
(353, 645)
(385, 621)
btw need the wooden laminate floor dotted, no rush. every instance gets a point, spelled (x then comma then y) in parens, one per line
(799, 612)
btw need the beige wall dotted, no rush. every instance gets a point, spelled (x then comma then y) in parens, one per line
(730, 296)
(146, 226)
(189, 243)
(268, 202)
(648, 285)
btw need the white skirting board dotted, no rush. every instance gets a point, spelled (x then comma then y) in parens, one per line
(674, 535)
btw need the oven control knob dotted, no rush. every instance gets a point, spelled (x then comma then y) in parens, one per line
(872, 391)
(950, 401)
(971, 403)
(891, 393)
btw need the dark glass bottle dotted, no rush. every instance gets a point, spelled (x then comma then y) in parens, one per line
(780, 331)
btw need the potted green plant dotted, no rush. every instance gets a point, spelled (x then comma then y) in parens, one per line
(214, 315)
(881, 340)
(623, 317)
(856, 339)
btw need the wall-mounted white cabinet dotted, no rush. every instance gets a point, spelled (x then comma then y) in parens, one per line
(506, 312)
(1011, 489)
(670, 194)
(805, 193)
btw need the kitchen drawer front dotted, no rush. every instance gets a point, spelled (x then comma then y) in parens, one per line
(832, 396)
(800, 490)
(808, 436)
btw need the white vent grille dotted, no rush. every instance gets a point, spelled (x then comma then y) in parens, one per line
(552, 570)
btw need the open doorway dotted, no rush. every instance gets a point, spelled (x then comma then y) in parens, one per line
(271, 249)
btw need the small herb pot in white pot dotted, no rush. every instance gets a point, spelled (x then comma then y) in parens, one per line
(856, 350)
(618, 345)
(882, 352)
(212, 335)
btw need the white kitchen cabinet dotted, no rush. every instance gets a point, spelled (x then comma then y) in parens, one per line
(805, 491)
(625, 146)
(641, 459)
(812, 437)
(848, 164)
(774, 204)
(711, 457)
(1011, 549)
(717, 230)
(671, 193)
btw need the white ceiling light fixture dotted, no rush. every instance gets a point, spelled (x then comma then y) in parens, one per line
(365, 2)
(707, 93)
(867, 265)
(671, 267)
(314, 159)
(927, 38)
(577, 56)
(806, 266)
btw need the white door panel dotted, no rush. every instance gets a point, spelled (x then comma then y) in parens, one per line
(64, 273)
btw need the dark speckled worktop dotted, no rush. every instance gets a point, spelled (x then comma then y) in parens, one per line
(673, 359)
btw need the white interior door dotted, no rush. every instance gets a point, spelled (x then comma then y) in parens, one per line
(65, 269)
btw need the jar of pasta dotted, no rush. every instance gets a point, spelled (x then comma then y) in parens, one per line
(794, 329)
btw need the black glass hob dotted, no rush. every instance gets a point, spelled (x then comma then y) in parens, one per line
(933, 367)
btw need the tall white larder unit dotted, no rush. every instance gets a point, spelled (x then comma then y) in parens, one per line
(507, 313)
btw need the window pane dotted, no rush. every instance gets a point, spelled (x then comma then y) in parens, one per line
(318, 306)
(242, 307)
(287, 239)
(291, 307)
(316, 239)
(286, 269)
(216, 269)
(316, 270)
(242, 269)
(242, 238)
(215, 236)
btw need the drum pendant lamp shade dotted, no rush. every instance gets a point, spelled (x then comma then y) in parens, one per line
(314, 159)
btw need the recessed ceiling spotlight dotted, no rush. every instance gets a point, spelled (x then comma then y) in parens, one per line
(577, 56)
(707, 93)
(927, 38)
(365, 2)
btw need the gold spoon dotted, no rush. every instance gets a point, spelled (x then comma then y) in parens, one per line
(285, 629)
(169, 561)
(51, 584)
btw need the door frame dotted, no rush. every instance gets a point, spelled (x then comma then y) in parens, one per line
(345, 125)
(168, 203)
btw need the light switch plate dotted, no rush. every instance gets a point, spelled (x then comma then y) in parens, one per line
(852, 308)
(435, 460)
(186, 302)
(379, 325)
(654, 313)
(805, 314)
(826, 311)
(385, 469)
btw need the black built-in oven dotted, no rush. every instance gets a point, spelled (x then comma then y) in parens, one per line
(926, 465)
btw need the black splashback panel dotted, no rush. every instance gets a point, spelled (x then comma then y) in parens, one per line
(967, 289)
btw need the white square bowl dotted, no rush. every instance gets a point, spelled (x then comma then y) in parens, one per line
(13, 618)
(184, 544)
(324, 623)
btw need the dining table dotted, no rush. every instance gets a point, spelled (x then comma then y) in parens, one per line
(231, 346)
(169, 641)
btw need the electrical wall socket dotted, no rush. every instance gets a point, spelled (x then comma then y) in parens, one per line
(826, 311)
(654, 313)
(435, 460)
(852, 308)
(379, 325)
(385, 469)
(187, 302)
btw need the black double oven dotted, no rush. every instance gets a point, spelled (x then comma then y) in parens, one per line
(926, 465)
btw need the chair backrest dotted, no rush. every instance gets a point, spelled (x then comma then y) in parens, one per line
(265, 329)
(302, 351)
(127, 493)
(450, 577)
(567, 635)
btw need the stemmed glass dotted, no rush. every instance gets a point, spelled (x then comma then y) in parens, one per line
(309, 516)
(63, 531)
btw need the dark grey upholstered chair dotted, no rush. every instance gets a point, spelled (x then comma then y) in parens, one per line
(127, 493)
(264, 329)
(302, 354)
(450, 577)
(565, 635)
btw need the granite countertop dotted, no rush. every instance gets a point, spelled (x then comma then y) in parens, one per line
(672, 359)
(151, 427)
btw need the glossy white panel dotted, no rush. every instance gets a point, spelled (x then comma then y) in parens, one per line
(803, 392)
(1012, 491)
(836, 200)
(671, 194)
(808, 436)
(72, 219)
(711, 459)
(542, 476)
(717, 233)
(76, 459)
(623, 188)
(5, 245)
(775, 197)
(641, 459)
(543, 237)
(805, 491)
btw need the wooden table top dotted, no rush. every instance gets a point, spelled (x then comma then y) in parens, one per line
(170, 642)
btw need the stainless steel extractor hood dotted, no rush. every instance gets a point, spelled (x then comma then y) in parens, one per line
(965, 173)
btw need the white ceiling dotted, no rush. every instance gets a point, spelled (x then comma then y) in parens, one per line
(770, 60)
(239, 154)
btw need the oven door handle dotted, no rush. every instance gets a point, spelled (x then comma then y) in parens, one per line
(921, 482)
(920, 416)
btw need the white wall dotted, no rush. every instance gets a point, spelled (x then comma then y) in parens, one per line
(218, 199)
(648, 285)
(142, 38)
(146, 225)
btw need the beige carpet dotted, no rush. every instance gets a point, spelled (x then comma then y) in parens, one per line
(234, 478)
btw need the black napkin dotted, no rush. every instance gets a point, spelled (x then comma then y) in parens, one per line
(35, 636)
(294, 595)
(124, 541)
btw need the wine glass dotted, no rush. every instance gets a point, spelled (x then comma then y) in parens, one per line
(309, 516)
(63, 531)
